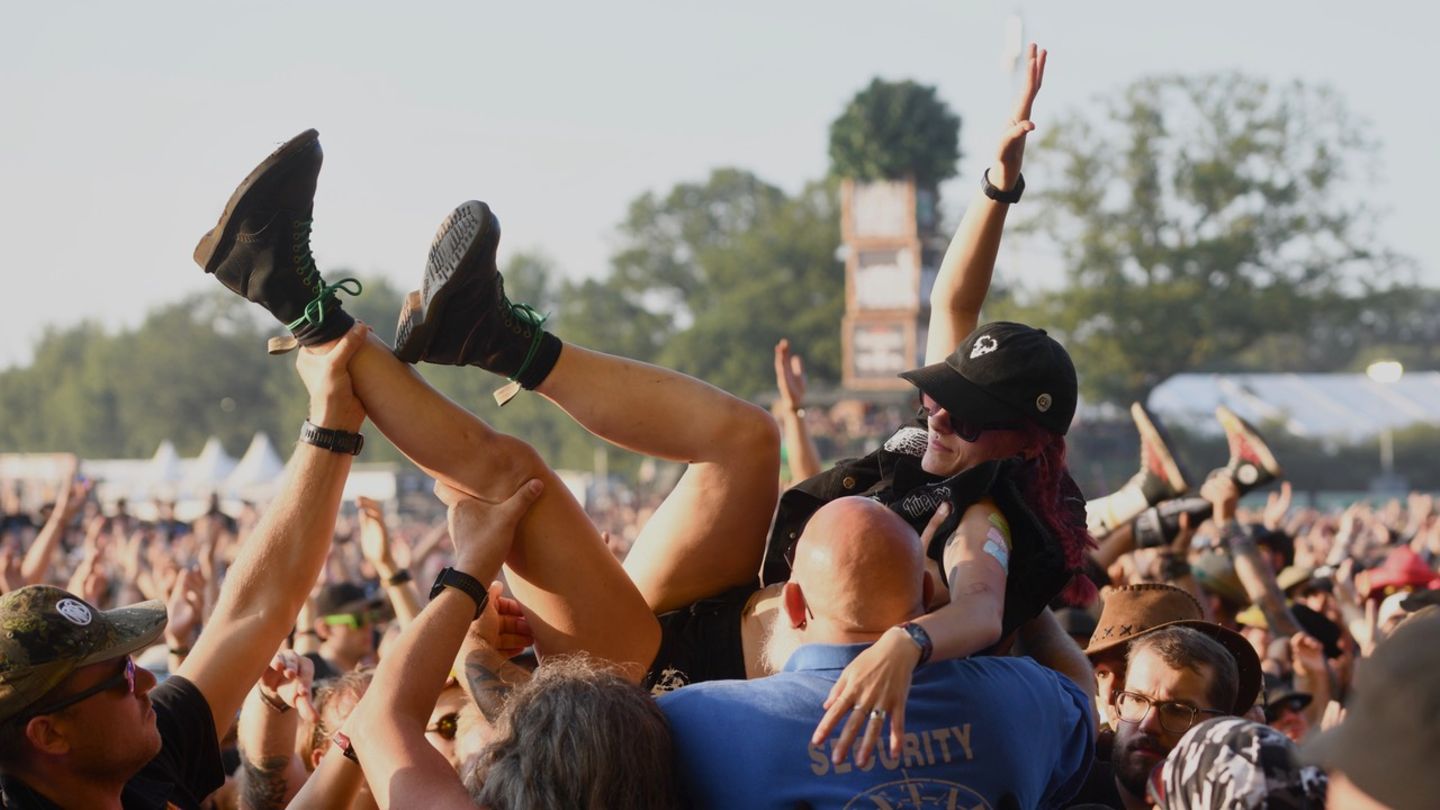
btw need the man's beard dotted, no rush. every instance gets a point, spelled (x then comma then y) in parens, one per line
(780, 644)
(1132, 769)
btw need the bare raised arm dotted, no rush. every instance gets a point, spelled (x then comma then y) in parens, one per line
(280, 560)
(790, 406)
(403, 769)
(68, 500)
(964, 277)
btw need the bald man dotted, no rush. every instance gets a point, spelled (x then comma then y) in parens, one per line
(985, 731)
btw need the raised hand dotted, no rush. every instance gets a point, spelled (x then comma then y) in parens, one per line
(1012, 143)
(1307, 655)
(287, 680)
(789, 376)
(1277, 504)
(483, 532)
(374, 534)
(185, 606)
(326, 374)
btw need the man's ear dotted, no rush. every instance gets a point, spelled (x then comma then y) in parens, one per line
(794, 601)
(322, 630)
(316, 755)
(46, 737)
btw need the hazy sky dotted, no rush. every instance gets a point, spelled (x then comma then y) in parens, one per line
(126, 126)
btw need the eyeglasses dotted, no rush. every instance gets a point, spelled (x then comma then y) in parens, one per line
(1176, 718)
(965, 430)
(446, 726)
(125, 677)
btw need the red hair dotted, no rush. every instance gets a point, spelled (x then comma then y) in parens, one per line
(1054, 498)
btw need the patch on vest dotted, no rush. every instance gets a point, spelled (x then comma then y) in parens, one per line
(908, 441)
(670, 679)
(923, 502)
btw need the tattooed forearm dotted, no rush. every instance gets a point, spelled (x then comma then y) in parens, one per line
(262, 784)
(491, 677)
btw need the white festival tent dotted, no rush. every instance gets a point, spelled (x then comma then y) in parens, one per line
(260, 466)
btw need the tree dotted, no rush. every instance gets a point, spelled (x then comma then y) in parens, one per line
(894, 130)
(711, 275)
(1199, 218)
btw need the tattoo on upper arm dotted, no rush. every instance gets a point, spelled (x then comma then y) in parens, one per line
(263, 783)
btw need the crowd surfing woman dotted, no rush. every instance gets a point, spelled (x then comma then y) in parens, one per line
(985, 480)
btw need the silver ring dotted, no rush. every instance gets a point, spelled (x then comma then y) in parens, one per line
(877, 714)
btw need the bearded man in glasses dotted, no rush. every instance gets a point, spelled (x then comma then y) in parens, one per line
(1175, 678)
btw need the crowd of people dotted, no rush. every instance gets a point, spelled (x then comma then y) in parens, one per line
(943, 621)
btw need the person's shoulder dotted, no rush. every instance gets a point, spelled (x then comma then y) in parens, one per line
(177, 694)
(709, 697)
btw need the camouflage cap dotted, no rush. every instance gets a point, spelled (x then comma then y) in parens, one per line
(47, 633)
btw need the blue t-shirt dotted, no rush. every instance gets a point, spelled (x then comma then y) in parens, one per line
(975, 730)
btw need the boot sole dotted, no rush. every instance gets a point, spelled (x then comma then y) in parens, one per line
(1231, 423)
(1150, 432)
(470, 235)
(223, 235)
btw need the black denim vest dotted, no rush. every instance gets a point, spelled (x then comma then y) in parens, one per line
(892, 475)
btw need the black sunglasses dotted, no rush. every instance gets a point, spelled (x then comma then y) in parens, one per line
(965, 430)
(446, 726)
(125, 677)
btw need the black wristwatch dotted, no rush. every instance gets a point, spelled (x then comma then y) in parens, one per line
(336, 441)
(1008, 197)
(922, 640)
(463, 582)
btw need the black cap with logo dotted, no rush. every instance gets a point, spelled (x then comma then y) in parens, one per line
(1002, 373)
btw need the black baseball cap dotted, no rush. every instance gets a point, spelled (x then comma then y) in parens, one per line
(346, 597)
(1002, 373)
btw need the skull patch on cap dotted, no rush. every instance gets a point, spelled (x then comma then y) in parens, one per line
(983, 345)
(75, 612)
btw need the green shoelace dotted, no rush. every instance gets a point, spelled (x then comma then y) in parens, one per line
(530, 316)
(314, 312)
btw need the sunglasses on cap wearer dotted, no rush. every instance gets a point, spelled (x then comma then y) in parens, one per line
(965, 430)
(1175, 717)
(125, 677)
(445, 725)
(355, 621)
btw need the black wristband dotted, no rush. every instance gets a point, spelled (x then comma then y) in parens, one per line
(922, 640)
(274, 702)
(466, 584)
(1007, 197)
(336, 441)
(399, 577)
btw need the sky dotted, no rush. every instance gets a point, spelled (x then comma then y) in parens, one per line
(127, 126)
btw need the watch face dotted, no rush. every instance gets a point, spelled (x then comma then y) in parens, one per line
(913, 794)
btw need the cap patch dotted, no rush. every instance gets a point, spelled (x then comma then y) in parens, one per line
(983, 346)
(75, 612)
(1043, 403)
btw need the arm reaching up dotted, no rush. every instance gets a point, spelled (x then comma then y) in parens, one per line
(964, 277)
(272, 575)
(403, 769)
(790, 382)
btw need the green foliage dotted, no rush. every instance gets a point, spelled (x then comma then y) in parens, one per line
(894, 130)
(711, 276)
(1205, 226)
